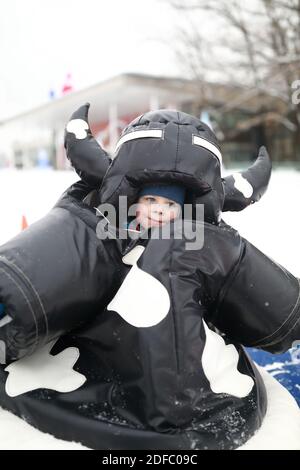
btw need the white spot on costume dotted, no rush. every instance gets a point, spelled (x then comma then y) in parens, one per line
(219, 362)
(78, 127)
(42, 370)
(142, 300)
(242, 185)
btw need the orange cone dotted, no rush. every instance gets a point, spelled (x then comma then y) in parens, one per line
(24, 223)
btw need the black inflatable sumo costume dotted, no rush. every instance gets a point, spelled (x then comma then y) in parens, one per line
(137, 343)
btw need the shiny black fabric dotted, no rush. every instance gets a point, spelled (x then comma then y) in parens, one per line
(142, 381)
(52, 275)
(172, 159)
(147, 387)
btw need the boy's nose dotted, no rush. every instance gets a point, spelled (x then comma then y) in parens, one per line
(159, 210)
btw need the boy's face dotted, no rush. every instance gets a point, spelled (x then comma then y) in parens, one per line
(153, 211)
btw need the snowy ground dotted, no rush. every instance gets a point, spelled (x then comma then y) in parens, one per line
(16, 434)
(30, 193)
(272, 225)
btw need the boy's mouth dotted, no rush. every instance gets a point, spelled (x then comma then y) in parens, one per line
(156, 222)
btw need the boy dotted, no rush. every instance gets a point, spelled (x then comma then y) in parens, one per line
(159, 204)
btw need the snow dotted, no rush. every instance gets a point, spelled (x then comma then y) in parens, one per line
(16, 434)
(281, 427)
(31, 193)
(272, 225)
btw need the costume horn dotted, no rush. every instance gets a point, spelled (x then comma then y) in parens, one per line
(246, 187)
(85, 154)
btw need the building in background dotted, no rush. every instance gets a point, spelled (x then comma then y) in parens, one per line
(241, 119)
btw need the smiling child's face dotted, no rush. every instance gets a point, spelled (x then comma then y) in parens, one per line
(153, 211)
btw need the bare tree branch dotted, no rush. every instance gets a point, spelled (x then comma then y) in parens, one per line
(260, 43)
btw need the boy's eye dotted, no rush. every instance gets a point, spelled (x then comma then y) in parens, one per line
(150, 199)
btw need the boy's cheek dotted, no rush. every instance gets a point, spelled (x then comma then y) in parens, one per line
(174, 214)
(141, 218)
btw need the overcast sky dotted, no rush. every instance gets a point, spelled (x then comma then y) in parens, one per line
(42, 40)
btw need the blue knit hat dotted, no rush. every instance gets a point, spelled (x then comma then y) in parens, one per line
(171, 191)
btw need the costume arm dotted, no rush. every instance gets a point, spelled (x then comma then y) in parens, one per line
(259, 304)
(54, 276)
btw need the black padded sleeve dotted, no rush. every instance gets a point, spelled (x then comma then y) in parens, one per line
(260, 303)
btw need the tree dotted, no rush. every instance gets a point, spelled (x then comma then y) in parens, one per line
(257, 46)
